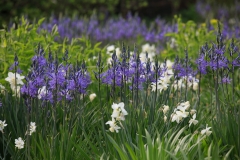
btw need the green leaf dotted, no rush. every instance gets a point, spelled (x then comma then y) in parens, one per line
(121, 153)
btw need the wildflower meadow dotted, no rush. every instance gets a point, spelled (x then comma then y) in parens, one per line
(82, 88)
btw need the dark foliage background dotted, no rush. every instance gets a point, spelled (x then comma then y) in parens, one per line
(45, 8)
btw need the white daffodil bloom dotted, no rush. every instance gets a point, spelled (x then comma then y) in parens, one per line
(92, 96)
(13, 82)
(19, 143)
(146, 47)
(153, 86)
(32, 128)
(110, 49)
(2, 125)
(193, 120)
(162, 84)
(169, 64)
(2, 89)
(165, 109)
(184, 106)
(118, 52)
(16, 89)
(180, 112)
(165, 79)
(150, 49)
(176, 117)
(113, 125)
(109, 61)
(206, 131)
(169, 73)
(118, 111)
(178, 84)
(195, 86)
(193, 111)
(165, 118)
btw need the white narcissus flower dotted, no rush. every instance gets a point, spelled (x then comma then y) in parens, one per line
(180, 112)
(178, 84)
(146, 47)
(195, 86)
(118, 52)
(193, 120)
(32, 128)
(113, 125)
(165, 109)
(169, 64)
(118, 111)
(176, 117)
(19, 143)
(162, 84)
(118, 115)
(2, 88)
(109, 61)
(92, 96)
(150, 49)
(110, 49)
(16, 89)
(165, 118)
(12, 81)
(184, 106)
(2, 125)
(206, 131)
(193, 111)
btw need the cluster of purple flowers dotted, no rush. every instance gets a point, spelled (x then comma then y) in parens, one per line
(182, 68)
(219, 11)
(129, 69)
(214, 58)
(111, 29)
(227, 14)
(53, 81)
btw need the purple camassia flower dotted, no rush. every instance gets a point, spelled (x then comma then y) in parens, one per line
(83, 80)
(236, 61)
(133, 71)
(49, 81)
(226, 80)
(202, 64)
(203, 8)
(217, 59)
(112, 29)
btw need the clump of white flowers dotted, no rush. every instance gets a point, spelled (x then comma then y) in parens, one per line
(32, 128)
(165, 79)
(110, 50)
(165, 109)
(182, 111)
(191, 82)
(2, 89)
(15, 81)
(150, 49)
(92, 96)
(2, 125)
(19, 143)
(206, 131)
(118, 115)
